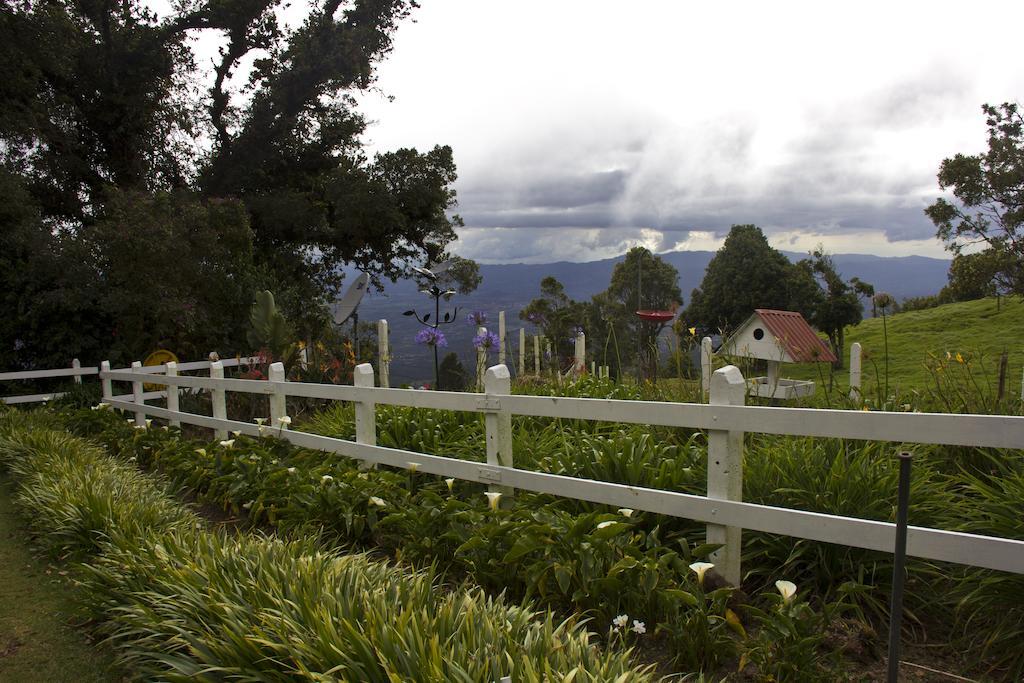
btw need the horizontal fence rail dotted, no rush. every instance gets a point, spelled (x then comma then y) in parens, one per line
(78, 372)
(725, 422)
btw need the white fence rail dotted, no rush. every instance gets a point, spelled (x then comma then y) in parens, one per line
(725, 418)
(77, 371)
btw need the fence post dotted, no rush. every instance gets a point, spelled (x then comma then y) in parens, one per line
(140, 416)
(536, 354)
(481, 360)
(522, 351)
(383, 353)
(855, 371)
(501, 337)
(366, 419)
(580, 352)
(705, 365)
(77, 365)
(172, 393)
(725, 471)
(217, 398)
(105, 384)
(278, 399)
(498, 422)
(303, 358)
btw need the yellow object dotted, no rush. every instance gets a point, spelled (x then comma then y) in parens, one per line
(158, 357)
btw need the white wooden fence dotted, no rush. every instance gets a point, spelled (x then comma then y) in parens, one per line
(77, 371)
(725, 418)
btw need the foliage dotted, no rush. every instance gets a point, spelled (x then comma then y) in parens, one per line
(131, 232)
(976, 275)
(989, 190)
(453, 375)
(745, 274)
(557, 316)
(182, 603)
(839, 306)
(641, 281)
(268, 328)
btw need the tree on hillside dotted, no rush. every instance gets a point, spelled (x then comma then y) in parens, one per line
(838, 306)
(557, 316)
(641, 281)
(989, 191)
(745, 274)
(102, 124)
(975, 276)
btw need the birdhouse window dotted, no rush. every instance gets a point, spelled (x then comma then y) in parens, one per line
(758, 334)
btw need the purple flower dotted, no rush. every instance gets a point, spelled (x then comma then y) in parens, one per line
(477, 318)
(486, 341)
(431, 337)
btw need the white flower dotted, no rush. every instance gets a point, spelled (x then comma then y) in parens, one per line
(326, 479)
(605, 525)
(247, 505)
(149, 422)
(261, 429)
(291, 470)
(201, 451)
(130, 421)
(101, 406)
(413, 466)
(236, 433)
(140, 426)
(260, 420)
(363, 475)
(493, 497)
(449, 483)
(621, 620)
(700, 568)
(285, 420)
(639, 628)
(626, 512)
(274, 461)
(230, 443)
(379, 502)
(787, 589)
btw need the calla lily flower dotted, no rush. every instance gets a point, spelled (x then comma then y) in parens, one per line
(492, 498)
(379, 502)
(787, 589)
(605, 525)
(285, 420)
(449, 483)
(413, 466)
(701, 568)
(626, 512)
(230, 443)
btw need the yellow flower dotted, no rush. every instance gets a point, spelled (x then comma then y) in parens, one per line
(693, 331)
(959, 358)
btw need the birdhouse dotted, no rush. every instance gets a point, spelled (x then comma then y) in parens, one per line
(778, 337)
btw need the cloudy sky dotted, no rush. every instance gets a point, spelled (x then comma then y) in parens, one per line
(583, 128)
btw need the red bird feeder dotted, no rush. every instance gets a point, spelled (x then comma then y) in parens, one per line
(656, 316)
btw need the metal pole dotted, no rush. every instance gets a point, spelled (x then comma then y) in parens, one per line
(639, 322)
(899, 566)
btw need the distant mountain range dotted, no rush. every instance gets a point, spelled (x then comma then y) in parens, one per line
(509, 287)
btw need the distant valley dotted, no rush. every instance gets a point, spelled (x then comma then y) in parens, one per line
(509, 287)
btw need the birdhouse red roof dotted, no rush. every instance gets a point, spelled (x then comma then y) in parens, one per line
(794, 335)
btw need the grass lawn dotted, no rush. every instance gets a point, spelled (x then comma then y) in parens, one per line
(976, 329)
(37, 639)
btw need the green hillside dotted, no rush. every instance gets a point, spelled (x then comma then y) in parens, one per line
(978, 330)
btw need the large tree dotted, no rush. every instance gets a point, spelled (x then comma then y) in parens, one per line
(112, 145)
(989, 193)
(839, 304)
(641, 281)
(745, 274)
